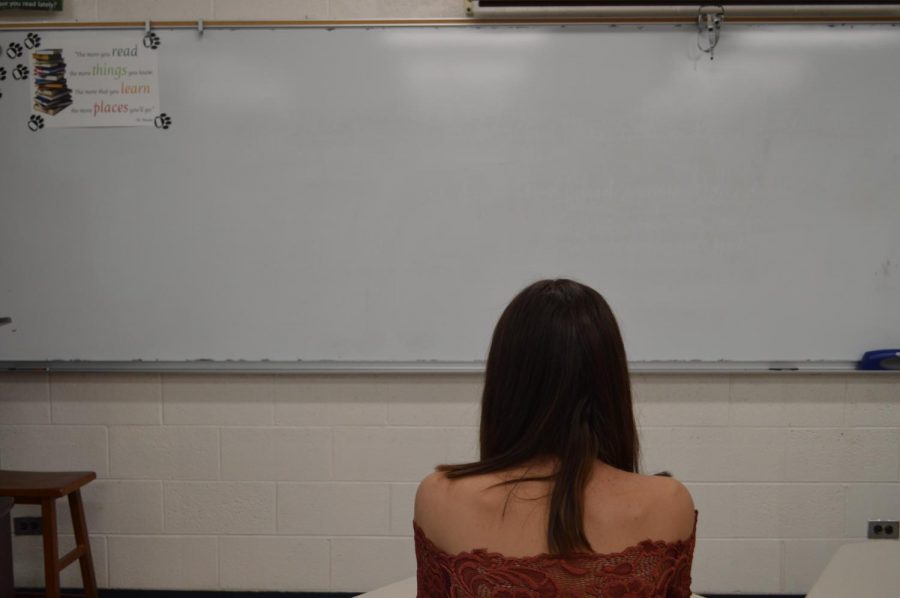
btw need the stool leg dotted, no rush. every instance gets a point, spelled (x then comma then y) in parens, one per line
(51, 548)
(7, 585)
(81, 539)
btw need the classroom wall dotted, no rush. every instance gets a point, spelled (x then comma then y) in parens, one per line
(306, 483)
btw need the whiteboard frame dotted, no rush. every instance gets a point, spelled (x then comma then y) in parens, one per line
(722, 367)
(422, 367)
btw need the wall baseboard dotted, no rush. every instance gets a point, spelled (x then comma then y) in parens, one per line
(240, 594)
(106, 593)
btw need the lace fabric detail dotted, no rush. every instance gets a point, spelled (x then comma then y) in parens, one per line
(649, 569)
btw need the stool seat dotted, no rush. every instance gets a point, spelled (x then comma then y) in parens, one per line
(42, 484)
(44, 488)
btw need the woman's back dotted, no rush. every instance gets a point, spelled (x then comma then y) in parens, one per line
(554, 505)
(479, 530)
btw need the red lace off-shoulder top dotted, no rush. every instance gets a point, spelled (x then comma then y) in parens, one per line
(650, 569)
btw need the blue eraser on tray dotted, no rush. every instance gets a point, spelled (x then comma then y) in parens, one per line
(882, 359)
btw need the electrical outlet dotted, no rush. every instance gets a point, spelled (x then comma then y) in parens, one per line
(884, 529)
(28, 526)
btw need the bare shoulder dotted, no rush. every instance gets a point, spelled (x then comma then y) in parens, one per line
(431, 496)
(449, 510)
(670, 506)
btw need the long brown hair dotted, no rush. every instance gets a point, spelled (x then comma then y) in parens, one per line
(556, 385)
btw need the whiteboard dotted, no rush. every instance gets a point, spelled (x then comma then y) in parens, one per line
(381, 194)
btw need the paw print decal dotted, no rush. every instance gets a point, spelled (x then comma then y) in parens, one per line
(20, 73)
(14, 50)
(151, 40)
(32, 41)
(2, 74)
(36, 123)
(163, 121)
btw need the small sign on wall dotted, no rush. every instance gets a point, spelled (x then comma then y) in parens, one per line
(87, 84)
(31, 4)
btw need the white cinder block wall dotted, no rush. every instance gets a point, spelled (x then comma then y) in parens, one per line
(306, 483)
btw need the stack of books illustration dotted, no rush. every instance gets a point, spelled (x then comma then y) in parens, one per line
(51, 93)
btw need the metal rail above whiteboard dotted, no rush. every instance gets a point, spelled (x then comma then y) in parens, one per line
(611, 15)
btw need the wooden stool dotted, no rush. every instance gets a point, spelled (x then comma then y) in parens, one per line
(43, 488)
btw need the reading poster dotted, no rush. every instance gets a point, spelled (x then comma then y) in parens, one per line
(113, 84)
